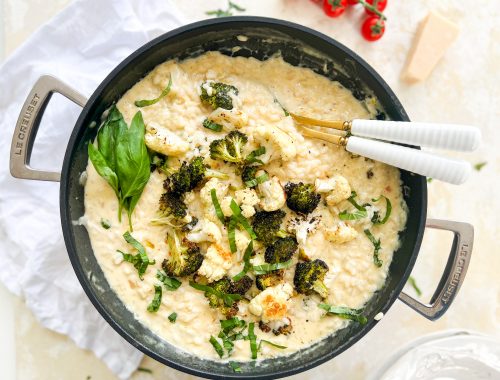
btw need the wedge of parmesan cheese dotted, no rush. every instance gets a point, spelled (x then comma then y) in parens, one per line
(434, 36)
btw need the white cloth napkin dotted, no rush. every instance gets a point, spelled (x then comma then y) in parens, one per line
(80, 46)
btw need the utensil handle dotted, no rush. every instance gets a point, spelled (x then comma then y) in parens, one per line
(444, 136)
(413, 160)
(28, 123)
(453, 274)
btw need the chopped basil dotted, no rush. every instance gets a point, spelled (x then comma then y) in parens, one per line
(376, 247)
(358, 214)
(345, 312)
(266, 268)
(230, 324)
(106, 224)
(227, 12)
(218, 209)
(228, 298)
(145, 103)
(212, 125)
(142, 369)
(140, 260)
(271, 344)
(246, 260)
(388, 209)
(253, 339)
(231, 234)
(413, 283)
(172, 317)
(217, 347)
(235, 366)
(241, 219)
(171, 283)
(479, 165)
(285, 111)
(156, 302)
(429, 180)
(252, 157)
(260, 179)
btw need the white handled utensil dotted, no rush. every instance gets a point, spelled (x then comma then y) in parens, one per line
(446, 136)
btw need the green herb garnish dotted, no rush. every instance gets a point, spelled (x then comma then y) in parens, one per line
(235, 366)
(358, 214)
(376, 247)
(253, 339)
(218, 209)
(156, 302)
(228, 298)
(267, 268)
(257, 180)
(285, 111)
(231, 234)
(228, 12)
(479, 165)
(145, 103)
(171, 283)
(252, 157)
(230, 324)
(212, 125)
(271, 344)
(106, 224)
(140, 260)
(388, 209)
(246, 260)
(345, 312)
(216, 345)
(241, 219)
(413, 283)
(172, 317)
(429, 180)
(142, 369)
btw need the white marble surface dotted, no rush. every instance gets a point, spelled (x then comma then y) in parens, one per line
(464, 88)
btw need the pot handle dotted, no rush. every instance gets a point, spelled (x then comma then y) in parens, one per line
(453, 274)
(28, 123)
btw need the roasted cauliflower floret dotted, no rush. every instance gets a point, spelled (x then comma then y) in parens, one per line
(205, 231)
(225, 205)
(216, 263)
(247, 199)
(220, 189)
(281, 141)
(272, 303)
(340, 190)
(229, 119)
(341, 233)
(162, 140)
(303, 227)
(273, 195)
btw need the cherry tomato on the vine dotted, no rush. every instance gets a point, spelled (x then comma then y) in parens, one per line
(381, 4)
(352, 2)
(373, 28)
(334, 8)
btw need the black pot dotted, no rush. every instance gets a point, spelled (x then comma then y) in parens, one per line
(299, 46)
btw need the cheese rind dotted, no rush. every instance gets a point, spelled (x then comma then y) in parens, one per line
(433, 38)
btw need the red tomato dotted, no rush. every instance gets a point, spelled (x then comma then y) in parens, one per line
(334, 8)
(373, 28)
(381, 4)
(352, 2)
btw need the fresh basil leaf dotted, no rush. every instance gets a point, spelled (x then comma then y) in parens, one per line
(271, 344)
(352, 200)
(142, 369)
(357, 214)
(235, 366)
(480, 165)
(218, 209)
(413, 283)
(344, 312)
(105, 223)
(145, 103)
(236, 7)
(108, 134)
(156, 302)
(388, 209)
(140, 260)
(241, 219)
(376, 247)
(102, 168)
(171, 283)
(217, 347)
(253, 339)
(228, 298)
(257, 180)
(246, 260)
(231, 234)
(230, 324)
(252, 157)
(212, 125)
(172, 317)
(267, 268)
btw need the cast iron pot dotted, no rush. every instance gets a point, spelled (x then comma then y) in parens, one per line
(300, 46)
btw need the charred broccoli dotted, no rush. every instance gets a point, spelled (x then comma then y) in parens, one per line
(230, 148)
(217, 95)
(273, 278)
(189, 176)
(185, 257)
(226, 286)
(159, 162)
(281, 250)
(241, 286)
(301, 197)
(248, 174)
(309, 277)
(266, 225)
(277, 329)
(172, 211)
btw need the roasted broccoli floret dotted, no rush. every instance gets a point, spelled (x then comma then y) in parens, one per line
(159, 162)
(301, 197)
(281, 250)
(309, 277)
(217, 95)
(189, 176)
(230, 148)
(266, 225)
(172, 211)
(248, 173)
(273, 278)
(226, 286)
(184, 256)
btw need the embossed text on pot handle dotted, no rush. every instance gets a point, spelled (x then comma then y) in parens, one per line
(28, 123)
(453, 274)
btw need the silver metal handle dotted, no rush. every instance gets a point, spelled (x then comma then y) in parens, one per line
(28, 123)
(453, 274)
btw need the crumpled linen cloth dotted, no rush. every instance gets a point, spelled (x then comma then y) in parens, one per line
(80, 46)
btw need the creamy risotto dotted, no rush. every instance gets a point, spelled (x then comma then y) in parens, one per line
(284, 238)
